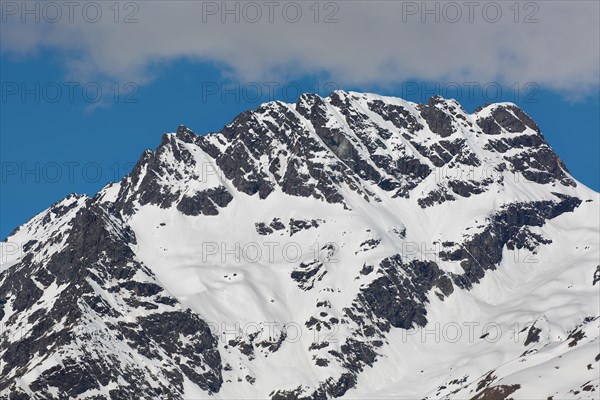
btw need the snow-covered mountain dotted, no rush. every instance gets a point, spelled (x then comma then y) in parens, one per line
(354, 246)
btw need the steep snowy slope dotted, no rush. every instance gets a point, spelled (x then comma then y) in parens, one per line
(356, 245)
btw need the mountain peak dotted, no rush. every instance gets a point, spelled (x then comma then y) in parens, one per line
(185, 134)
(504, 117)
(374, 145)
(321, 236)
(182, 129)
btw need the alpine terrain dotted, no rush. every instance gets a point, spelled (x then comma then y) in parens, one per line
(354, 246)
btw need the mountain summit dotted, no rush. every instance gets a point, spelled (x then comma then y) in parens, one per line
(355, 246)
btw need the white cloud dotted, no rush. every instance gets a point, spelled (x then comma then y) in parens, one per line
(373, 43)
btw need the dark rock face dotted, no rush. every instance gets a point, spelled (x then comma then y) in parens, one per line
(438, 121)
(468, 188)
(331, 388)
(397, 115)
(84, 330)
(338, 141)
(537, 162)
(369, 244)
(205, 202)
(399, 299)
(307, 274)
(143, 289)
(541, 165)
(517, 142)
(508, 117)
(297, 225)
(275, 225)
(483, 251)
(273, 343)
(165, 329)
(143, 183)
(237, 164)
(263, 229)
(533, 336)
(350, 162)
(436, 196)
(497, 392)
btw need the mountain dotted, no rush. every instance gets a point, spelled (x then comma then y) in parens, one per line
(354, 246)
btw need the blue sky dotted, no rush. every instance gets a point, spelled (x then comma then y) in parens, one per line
(163, 70)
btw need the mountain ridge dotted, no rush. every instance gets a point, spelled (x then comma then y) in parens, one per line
(404, 216)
